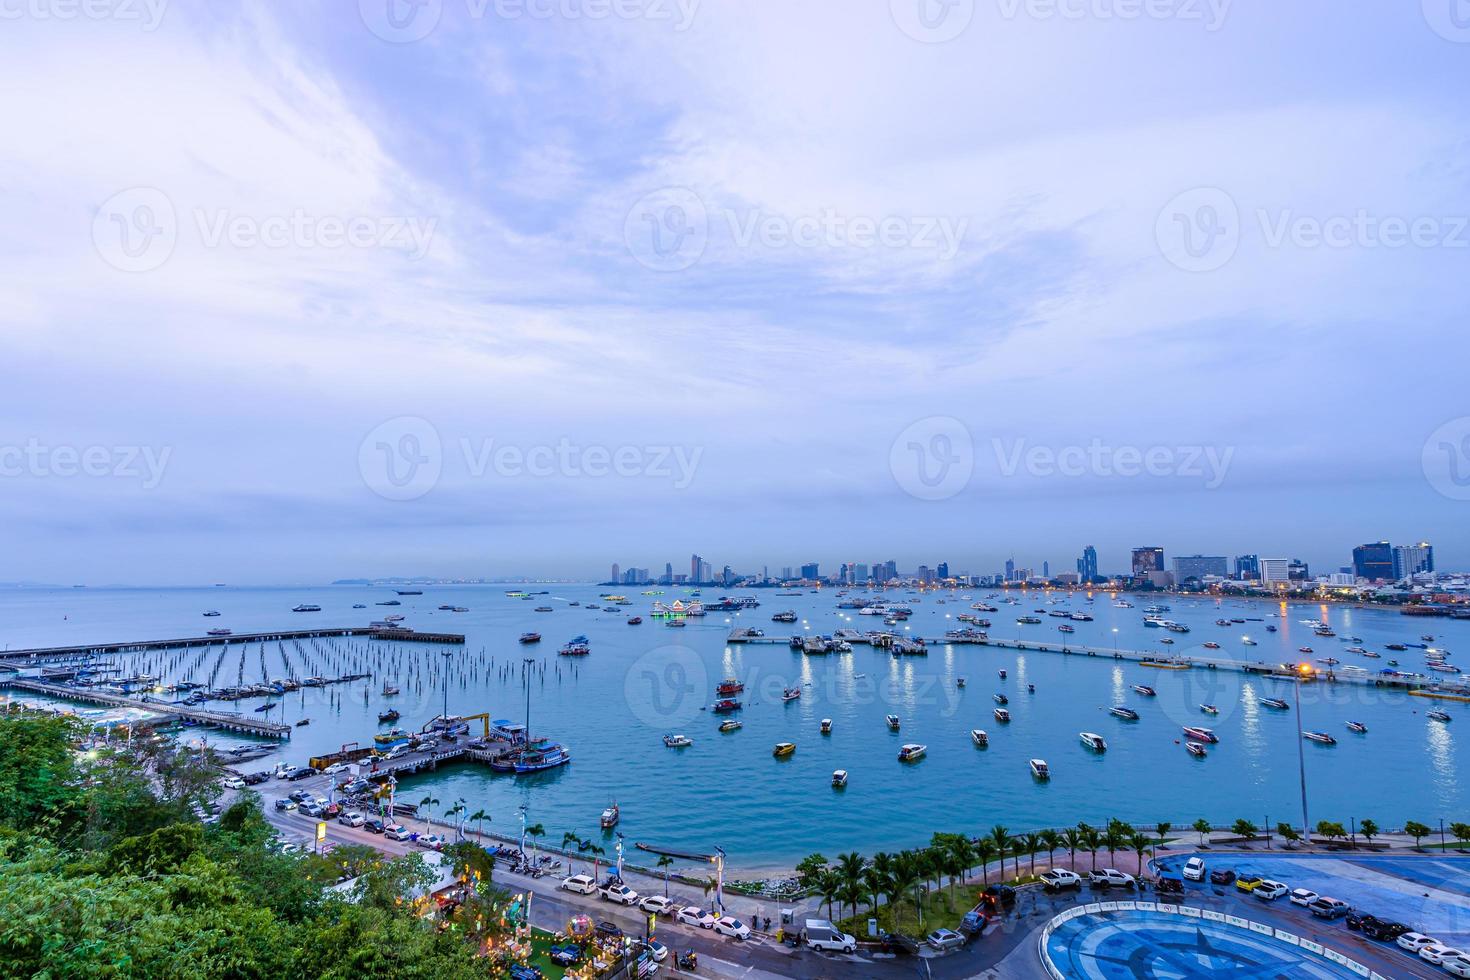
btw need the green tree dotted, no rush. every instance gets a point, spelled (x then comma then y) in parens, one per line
(1051, 840)
(1416, 830)
(984, 853)
(1202, 827)
(1461, 832)
(850, 870)
(1369, 830)
(664, 861)
(479, 817)
(828, 885)
(1244, 828)
(877, 885)
(810, 868)
(1287, 832)
(1113, 838)
(1072, 837)
(1331, 829)
(1001, 838)
(39, 781)
(426, 803)
(1034, 843)
(1092, 840)
(1140, 843)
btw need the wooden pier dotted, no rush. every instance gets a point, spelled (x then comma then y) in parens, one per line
(218, 719)
(36, 655)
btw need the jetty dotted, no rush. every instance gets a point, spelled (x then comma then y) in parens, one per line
(34, 656)
(164, 712)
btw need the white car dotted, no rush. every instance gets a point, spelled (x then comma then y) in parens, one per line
(431, 841)
(397, 832)
(352, 819)
(1414, 941)
(736, 929)
(693, 915)
(581, 884)
(1457, 965)
(657, 904)
(656, 949)
(1437, 953)
(1269, 891)
(234, 782)
(1303, 896)
(621, 894)
(1058, 878)
(1194, 869)
(1111, 878)
(335, 768)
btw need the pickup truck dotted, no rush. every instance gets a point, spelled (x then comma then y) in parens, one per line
(1059, 878)
(1328, 908)
(822, 934)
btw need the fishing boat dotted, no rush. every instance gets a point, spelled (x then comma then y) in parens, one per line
(791, 694)
(1439, 715)
(635, 620)
(912, 752)
(731, 725)
(783, 749)
(384, 717)
(892, 721)
(1200, 734)
(1003, 715)
(218, 632)
(839, 778)
(1357, 726)
(303, 722)
(726, 705)
(530, 637)
(1209, 709)
(1093, 741)
(1276, 703)
(678, 741)
(729, 685)
(1001, 699)
(1321, 737)
(1195, 749)
(826, 726)
(1145, 690)
(575, 647)
(389, 689)
(978, 736)
(1039, 769)
(610, 816)
(1123, 712)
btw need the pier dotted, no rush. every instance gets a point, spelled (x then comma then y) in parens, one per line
(37, 655)
(217, 719)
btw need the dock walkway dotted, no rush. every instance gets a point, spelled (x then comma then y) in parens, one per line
(219, 719)
(37, 655)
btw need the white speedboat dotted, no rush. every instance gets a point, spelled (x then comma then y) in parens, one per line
(912, 752)
(978, 736)
(1321, 737)
(678, 741)
(1093, 741)
(839, 778)
(1039, 769)
(1195, 749)
(892, 721)
(826, 726)
(1002, 715)
(1200, 734)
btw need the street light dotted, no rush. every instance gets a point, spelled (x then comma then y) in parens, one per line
(1303, 672)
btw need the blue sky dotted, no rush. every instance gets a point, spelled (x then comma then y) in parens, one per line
(486, 288)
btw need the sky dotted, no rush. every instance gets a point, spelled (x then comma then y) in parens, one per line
(295, 292)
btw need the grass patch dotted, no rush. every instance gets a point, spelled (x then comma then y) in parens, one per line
(941, 911)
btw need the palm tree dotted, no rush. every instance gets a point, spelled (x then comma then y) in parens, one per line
(1072, 837)
(852, 893)
(1113, 838)
(984, 851)
(569, 838)
(479, 817)
(427, 802)
(663, 862)
(906, 876)
(963, 853)
(1140, 844)
(893, 886)
(1018, 851)
(876, 882)
(454, 811)
(850, 868)
(1002, 840)
(1092, 840)
(534, 831)
(596, 850)
(1051, 840)
(1034, 843)
(828, 884)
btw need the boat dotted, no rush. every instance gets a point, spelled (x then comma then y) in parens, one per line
(1002, 674)
(302, 722)
(839, 778)
(1002, 715)
(1212, 645)
(1439, 715)
(389, 689)
(1303, 649)
(396, 618)
(1357, 726)
(1123, 712)
(1394, 646)
(610, 816)
(211, 612)
(1276, 703)
(530, 637)
(575, 647)
(635, 620)
(678, 741)
(1155, 622)
(535, 757)
(1270, 629)
(1066, 629)
(1323, 631)
(1028, 621)
(959, 682)
(359, 605)
(912, 752)
(784, 617)
(392, 737)
(1195, 749)
(978, 736)
(1093, 741)
(1039, 769)
(783, 749)
(409, 591)
(892, 721)
(1248, 642)
(1200, 734)
(390, 715)
(1145, 690)
(729, 685)
(1321, 737)
(1427, 637)
(725, 706)
(1370, 653)
(731, 725)
(826, 726)
(390, 602)
(791, 694)
(676, 624)
(1081, 617)
(218, 632)
(542, 609)
(306, 607)
(1001, 699)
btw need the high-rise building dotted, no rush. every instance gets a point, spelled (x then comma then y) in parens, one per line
(1188, 567)
(616, 574)
(860, 572)
(694, 562)
(786, 573)
(943, 570)
(1275, 570)
(1297, 570)
(1087, 564)
(1046, 569)
(1247, 567)
(1374, 561)
(1147, 560)
(668, 573)
(1413, 559)
(810, 571)
(1010, 569)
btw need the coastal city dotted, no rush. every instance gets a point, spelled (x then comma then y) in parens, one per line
(734, 490)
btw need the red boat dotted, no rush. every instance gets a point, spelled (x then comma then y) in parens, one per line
(725, 705)
(729, 686)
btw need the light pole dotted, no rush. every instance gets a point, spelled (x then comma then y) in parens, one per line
(1303, 671)
(445, 716)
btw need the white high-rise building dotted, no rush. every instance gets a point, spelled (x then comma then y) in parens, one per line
(1274, 570)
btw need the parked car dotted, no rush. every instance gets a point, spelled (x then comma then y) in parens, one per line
(1457, 965)
(1414, 941)
(656, 949)
(657, 904)
(256, 778)
(1003, 894)
(335, 768)
(581, 884)
(898, 944)
(693, 915)
(374, 826)
(1194, 869)
(1169, 885)
(1384, 929)
(942, 939)
(397, 832)
(1222, 876)
(233, 782)
(300, 773)
(1248, 883)
(1302, 896)
(1111, 878)
(286, 804)
(620, 893)
(1437, 953)
(432, 841)
(352, 818)
(1058, 879)
(733, 928)
(1269, 891)
(1328, 908)
(311, 808)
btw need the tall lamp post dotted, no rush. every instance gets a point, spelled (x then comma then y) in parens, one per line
(1303, 672)
(445, 716)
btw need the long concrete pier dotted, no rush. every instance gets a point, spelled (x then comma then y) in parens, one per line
(218, 719)
(37, 655)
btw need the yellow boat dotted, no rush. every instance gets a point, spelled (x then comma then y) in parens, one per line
(783, 749)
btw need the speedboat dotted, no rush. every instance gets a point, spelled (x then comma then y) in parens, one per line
(978, 736)
(1303, 649)
(791, 694)
(1276, 703)
(1195, 748)
(306, 607)
(1001, 699)
(211, 612)
(959, 682)
(635, 620)
(1248, 642)
(1270, 629)
(730, 725)
(530, 637)
(1145, 690)
(1357, 726)
(1002, 715)
(783, 749)
(1439, 715)
(1322, 737)
(1066, 629)
(1123, 712)
(609, 816)
(541, 608)
(892, 721)
(1212, 645)
(1200, 734)
(1039, 769)
(1209, 709)
(912, 752)
(826, 726)
(1093, 741)
(1427, 637)
(678, 741)
(839, 778)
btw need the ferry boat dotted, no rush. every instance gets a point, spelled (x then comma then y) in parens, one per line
(786, 616)
(731, 725)
(1154, 622)
(211, 612)
(1439, 715)
(978, 736)
(384, 717)
(218, 632)
(535, 757)
(678, 741)
(1322, 737)
(783, 749)
(912, 752)
(1200, 734)
(892, 721)
(609, 816)
(1357, 726)
(1039, 769)
(392, 737)
(575, 647)
(729, 685)
(1028, 621)
(1123, 712)
(791, 694)
(726, 705)
(1066, 629)
(1093, 741)
(1001, 699)
(1195, 749)
(1323, 631)
(1145, 690)
(635, 620)
(676, 624)
(839, 778)
(306, 607)
(826, 726)
(1002, 715)
(1276, 703)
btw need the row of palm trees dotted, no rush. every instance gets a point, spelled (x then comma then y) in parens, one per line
(905, 877)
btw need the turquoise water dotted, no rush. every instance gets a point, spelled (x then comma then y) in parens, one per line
(612, 707)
